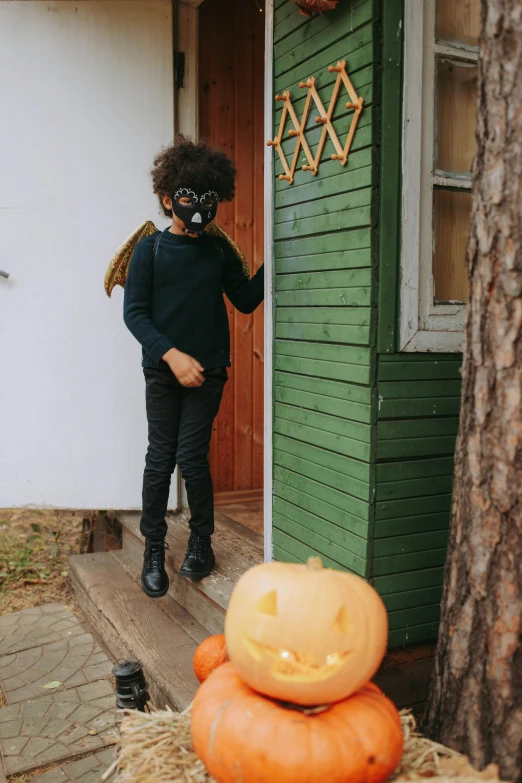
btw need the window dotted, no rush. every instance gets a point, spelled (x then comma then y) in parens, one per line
(440, 105)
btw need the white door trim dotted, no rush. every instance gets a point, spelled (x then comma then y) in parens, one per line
(268, 251)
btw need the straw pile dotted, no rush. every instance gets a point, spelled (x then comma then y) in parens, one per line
(156, 748)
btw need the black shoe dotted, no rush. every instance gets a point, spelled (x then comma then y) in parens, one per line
(199, 560)
(154, 579)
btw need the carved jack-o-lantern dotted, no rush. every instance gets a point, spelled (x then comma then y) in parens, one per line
(305, 634)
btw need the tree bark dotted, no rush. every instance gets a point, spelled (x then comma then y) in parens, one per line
(475, 703)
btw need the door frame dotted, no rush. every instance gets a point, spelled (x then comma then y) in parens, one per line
(186, 121)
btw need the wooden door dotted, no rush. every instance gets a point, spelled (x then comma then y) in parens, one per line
(231, 73)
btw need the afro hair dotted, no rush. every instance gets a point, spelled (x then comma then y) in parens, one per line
(193, 165)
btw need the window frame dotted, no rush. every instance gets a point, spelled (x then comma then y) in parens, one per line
(424, 326)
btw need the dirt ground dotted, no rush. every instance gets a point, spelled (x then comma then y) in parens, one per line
(34, 546)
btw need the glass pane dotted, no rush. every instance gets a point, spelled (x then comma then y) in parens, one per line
(458, 20)
(451, 226)
(456, 116)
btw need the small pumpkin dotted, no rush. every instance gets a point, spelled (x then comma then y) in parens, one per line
(304, 633)
(240, 735)
(210, 654)
(311, 7)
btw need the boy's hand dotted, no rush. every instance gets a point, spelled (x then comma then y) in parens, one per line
(187, 370)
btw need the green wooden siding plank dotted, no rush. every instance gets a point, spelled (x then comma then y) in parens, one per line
(336, 371)
(316, 63)
(324, 206)
(331, 194)
(343, 316)
(347, 297)
(434, 406)
(411, 598)
(398, 526)
(390, 173)
(321, 403)
(332, 478)
(286, 20)
(343, 391)
(389, 430)
(336, 221)
(415, 447)
(342, 260)
(358, 473)
(303, 552)
(305, 281)
(412, 580)
(337, 498)
(406, 618)
(408, 507)
(337, 516)
(399, 358)
(424, 468)
(283, 556)
(341, 536)
(426, 370)
(412, 390)
(320, 545)
(417, 633)
(293, 50)
(321, 421)
(361, 175)
(422, 487)
(356, 335)
(418, 542)
(327, 243)
(325, 440)
(338, 353)
(407, 562)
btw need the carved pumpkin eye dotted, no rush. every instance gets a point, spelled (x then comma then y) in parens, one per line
(342, 621)
(267, 604)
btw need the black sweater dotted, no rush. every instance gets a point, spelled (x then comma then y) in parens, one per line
(175, 300)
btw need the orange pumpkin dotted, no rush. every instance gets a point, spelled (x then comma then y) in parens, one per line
(210, 654)
(305, 634)
(240, 736)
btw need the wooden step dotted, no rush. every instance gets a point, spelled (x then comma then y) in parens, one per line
(237, 548)
(158, 632)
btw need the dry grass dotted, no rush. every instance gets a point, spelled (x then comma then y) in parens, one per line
(34, 546)
(156, 748)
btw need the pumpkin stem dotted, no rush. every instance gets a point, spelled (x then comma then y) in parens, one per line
(314, 564)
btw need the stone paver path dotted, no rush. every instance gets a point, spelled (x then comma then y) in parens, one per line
(36, 626)
(69, 662)
(74, 716)
(87, 770)
(58, 726)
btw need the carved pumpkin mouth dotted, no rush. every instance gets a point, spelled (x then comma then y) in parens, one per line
(296, 666)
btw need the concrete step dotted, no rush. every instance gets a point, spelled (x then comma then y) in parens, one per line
(159, 632)
(237, 548)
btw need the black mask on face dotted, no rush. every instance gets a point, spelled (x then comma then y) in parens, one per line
(199, 213)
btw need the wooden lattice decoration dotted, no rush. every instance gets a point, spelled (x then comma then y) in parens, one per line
(324, 118)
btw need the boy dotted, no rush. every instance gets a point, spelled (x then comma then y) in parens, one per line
(174, 307)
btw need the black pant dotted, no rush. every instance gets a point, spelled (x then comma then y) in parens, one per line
(180, 426)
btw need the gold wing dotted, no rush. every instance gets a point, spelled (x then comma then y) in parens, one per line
(116, 273)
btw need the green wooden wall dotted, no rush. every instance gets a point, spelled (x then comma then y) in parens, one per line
(324, 353)
(363, 435)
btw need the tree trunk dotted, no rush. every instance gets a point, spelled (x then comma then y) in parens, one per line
(476, 698)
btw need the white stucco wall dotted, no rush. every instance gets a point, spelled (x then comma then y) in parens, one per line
(87, 99)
